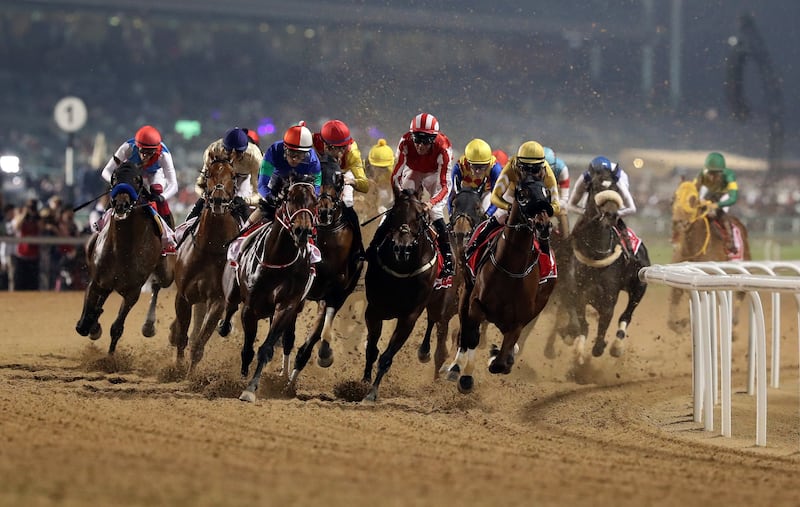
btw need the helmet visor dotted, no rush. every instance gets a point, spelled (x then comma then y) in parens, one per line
(423, 138)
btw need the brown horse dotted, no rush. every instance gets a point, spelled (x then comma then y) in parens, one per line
(467, 212)
(122, 256)
(336, 274)
(273, 275)
(506, 288)
(201, 259)
(602, 268)
(399, 281)
(696, 237)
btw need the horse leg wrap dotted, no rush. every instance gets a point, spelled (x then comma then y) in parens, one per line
(443, 239)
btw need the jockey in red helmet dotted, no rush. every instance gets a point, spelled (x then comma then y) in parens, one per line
(148, 151)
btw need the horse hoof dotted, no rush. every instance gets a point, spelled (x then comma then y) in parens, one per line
(617, 348)
(248, 396)
(148, 330)
(569, 340)
(465, 384)
(424, 357)
(453, 373)
(224, 328)
(371, 396)
(598, 349)
(620, 334)
(325, 362)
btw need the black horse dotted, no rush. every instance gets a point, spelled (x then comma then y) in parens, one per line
(336, 274)
(399, 280)
(467, 213)
(602, 267)
(122, 256)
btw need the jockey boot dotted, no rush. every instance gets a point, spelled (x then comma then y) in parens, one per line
(196, 210)
(624, 237)
(169, 220)
(490, 226)
(543, 236)
(352, 218)
(443, 239)
(730, 244)
(377, 238)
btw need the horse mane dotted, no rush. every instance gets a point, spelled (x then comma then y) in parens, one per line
(330, 170)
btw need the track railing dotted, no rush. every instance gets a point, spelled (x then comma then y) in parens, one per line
(711, 286)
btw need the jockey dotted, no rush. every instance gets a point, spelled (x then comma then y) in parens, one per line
(380, 162)
(529, 159)
(293, 154)
(561, 172)
(603, 164)
(334, 139)
(718, 191)
(158, 172)
(424, 157)
(246, 160)
(477, 169)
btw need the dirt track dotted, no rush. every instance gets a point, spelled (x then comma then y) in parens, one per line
(615, 432)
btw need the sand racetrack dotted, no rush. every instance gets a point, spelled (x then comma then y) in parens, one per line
(618, 431)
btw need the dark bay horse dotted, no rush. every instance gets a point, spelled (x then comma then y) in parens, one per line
(201, 259)
(442, 306)
(272, 275)
(336, 274)
(696, 237)
(398, 281)
(602, 268)
(122, 256)
(506, 288)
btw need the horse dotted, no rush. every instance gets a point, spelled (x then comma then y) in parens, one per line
(201, 259)
(601, 267)
(122, 256)
(399, 281)
(337, 274)
(697, 238)
(506, 289)
(443, 304)
(272, 275)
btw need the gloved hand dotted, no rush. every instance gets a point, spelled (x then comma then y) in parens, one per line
(155, 193)
(238, 202)
(157, 198)
(349, 179)
(269, 203)
(710, 205)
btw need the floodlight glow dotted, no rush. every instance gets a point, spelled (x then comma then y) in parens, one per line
(9, 164)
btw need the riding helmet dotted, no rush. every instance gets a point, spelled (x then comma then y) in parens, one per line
(147, 137)
(381, 155)
(478, 151)
(235, 140)
(714, 162)
(298, 137)
(336, 133)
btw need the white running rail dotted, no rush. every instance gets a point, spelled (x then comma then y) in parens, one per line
(711, 286)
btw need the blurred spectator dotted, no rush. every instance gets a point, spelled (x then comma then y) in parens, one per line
(26, 257)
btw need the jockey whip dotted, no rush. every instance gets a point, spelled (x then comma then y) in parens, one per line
(90, 201)
(375, 217)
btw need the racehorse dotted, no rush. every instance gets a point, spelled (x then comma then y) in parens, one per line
(336, 274)
(272, 275)
(696, 238)
(443, 303)
(602, 266)
(398, 281)
(201, 259)
(505, 288)
(122, 256)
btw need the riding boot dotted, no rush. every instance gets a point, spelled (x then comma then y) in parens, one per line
(196, 210)
(377, 238)
(490, 226)
(443, 239)
(730, 244)
(543, 237)
(351, 217)
(624, 237)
